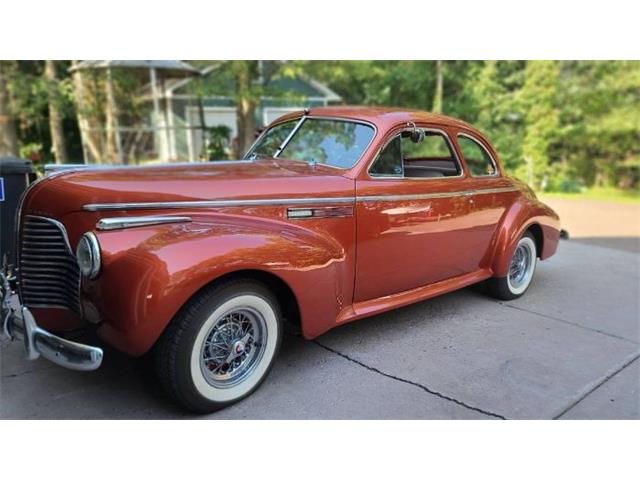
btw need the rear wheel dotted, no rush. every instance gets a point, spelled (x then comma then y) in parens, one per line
(521, 270)
(220, 347)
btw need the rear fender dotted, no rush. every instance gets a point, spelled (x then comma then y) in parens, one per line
(525, 213)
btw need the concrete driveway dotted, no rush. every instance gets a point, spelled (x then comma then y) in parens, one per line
(568, 349)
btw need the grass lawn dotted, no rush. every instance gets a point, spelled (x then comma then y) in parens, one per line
(601, 194)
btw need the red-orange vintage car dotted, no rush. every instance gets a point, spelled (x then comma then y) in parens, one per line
(335, 214)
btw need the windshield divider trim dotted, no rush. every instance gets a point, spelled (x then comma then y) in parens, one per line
(290, 136)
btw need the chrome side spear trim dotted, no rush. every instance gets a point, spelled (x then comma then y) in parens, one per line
(130, 222)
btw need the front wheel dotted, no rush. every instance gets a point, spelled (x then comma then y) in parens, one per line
(521, 270)
(220, 347)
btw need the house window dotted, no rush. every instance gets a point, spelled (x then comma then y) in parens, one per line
(476, 156)
(417, 153)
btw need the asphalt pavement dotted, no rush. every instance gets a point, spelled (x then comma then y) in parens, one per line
(569, 348)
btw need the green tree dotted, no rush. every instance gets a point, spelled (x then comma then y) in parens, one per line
(494, 108)
(56, 106)
(538, 98)
(437, 97)
(600, 135)
(8, 134)
(246, 82)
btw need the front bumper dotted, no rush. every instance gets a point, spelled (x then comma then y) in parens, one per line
(19, 324)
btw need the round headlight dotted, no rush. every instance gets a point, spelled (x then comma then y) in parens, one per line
(88, 255)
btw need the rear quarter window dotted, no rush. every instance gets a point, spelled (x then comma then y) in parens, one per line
(478, 160)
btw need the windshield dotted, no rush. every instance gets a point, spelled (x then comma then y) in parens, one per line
(268, 144)
(338, 143)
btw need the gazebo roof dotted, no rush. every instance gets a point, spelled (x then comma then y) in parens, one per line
(165, 68)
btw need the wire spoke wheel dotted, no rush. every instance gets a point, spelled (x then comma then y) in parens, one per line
(233, 347)
(221, 346)
(522, 265)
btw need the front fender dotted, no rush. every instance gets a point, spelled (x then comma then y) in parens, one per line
(149, 273)
(525, 213)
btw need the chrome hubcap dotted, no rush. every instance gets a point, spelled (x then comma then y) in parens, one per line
(233, 347)
(520, 266)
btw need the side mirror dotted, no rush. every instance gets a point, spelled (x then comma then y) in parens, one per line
(417, 135)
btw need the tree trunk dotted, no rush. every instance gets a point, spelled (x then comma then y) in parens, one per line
(203, 128)
(245, 109)
(55, 117)
(8, 135)
(114, 146)
(89, 144)
(246, 125)
(437, 99)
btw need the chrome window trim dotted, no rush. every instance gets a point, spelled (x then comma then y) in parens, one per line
(286, 201)
(493, 160)
(117, 223)
(301, 120)
(402, 177)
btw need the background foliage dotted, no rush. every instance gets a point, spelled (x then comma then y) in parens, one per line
(559, 125)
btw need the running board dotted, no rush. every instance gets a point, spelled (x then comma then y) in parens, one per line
(390, 302)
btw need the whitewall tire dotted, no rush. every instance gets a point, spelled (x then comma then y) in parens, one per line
(522, 267)
(221, 346)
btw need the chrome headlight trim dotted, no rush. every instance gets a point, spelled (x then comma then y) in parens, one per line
(89, 247)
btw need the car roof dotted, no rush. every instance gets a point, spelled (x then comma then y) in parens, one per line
(382, 117)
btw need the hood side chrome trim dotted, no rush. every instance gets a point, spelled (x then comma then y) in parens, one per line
(95, 207)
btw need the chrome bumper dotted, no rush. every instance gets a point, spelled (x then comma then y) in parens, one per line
(18, 323)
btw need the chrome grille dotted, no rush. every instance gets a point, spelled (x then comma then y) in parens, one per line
(48, 272)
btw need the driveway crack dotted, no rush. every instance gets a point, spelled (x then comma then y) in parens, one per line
(409, 382)
(593, 387)
(551, 317)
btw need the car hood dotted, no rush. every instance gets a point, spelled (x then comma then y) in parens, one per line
(259, 179)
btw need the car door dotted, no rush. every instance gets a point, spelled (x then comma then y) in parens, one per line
(413, 217)
(489, 195)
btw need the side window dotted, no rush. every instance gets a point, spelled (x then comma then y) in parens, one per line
(478, 160)
(389, 161)
(428, 154)
(417, 154)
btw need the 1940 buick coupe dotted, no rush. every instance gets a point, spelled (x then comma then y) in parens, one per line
(335, 214)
